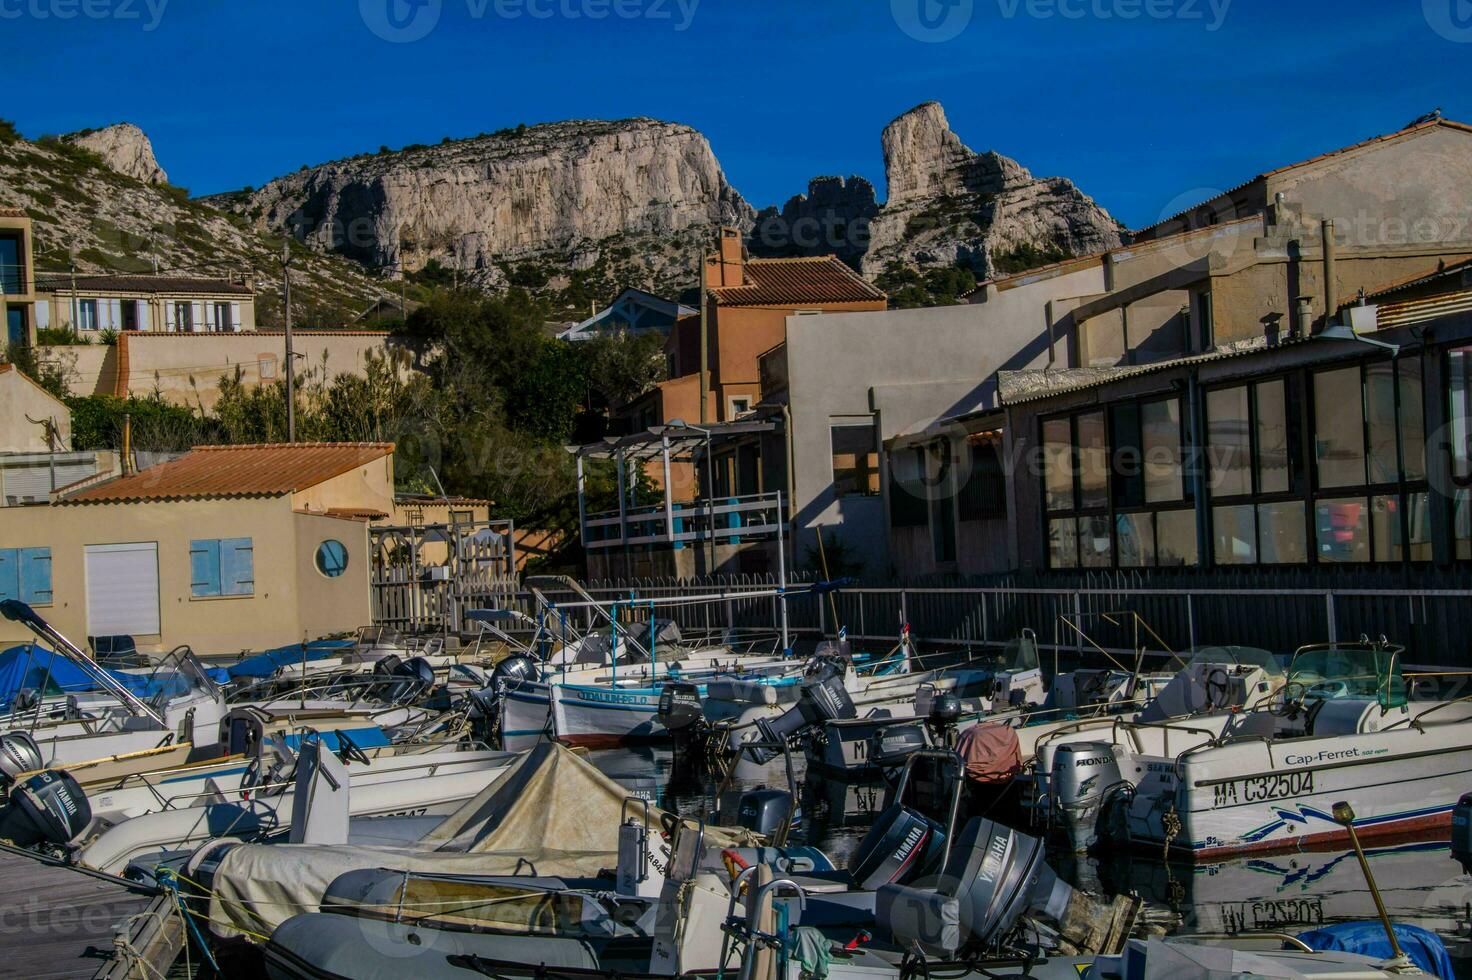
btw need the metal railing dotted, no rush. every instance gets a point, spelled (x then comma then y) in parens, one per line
(729, 519)
(1435, 625)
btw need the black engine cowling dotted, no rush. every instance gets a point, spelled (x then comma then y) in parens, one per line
(679, 706)
(47, 808)
(512, 672)
(902, 846)
(820, 701)
(891, 746)
(764, 810)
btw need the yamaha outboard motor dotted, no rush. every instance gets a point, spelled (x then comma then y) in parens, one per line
(821, 700)
(1083, 773)
(890, 747)
(47, 808)
(679, 707)
(902, 846)
(19, 754)
(994, 881)
(764, 810)
(1462, 832)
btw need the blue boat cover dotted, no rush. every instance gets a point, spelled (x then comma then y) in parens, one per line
(267, 663)
(1424, 947)
(32, 666)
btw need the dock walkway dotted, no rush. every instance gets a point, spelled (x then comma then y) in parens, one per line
(56, 922)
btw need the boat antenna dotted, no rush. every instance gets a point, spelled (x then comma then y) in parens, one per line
(1399, 962)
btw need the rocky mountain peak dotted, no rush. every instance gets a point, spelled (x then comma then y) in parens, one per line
(123, 147)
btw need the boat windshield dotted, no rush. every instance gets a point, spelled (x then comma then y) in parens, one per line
(1229, 656)
(1327, 672)
(1019, 654)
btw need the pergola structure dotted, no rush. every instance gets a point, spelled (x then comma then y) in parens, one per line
(673, 523)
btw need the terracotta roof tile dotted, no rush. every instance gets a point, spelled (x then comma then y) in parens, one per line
(236, 471)
(346, 514)
(12, 213)
(53, 282)
(794, 282)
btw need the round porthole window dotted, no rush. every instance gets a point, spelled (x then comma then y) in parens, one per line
(332, 558)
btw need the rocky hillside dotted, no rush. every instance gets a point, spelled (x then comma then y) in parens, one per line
(948, 205)
(123, 147)
(82, 206)
(528, 205)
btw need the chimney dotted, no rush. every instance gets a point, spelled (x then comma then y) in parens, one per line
(1331, 291)
(725, 268)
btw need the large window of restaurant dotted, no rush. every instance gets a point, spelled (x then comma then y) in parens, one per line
(1459, 434)
(1371, 500)
(1253, 473)
(1115, 488)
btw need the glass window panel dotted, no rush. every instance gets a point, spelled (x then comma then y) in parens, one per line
(1125, 462)
(1462, 524)
(855, 460)
(1380, 455)
(1343, 529)
(1412, 420)
(1058, 464)
(1281, 534)
(1272, 437)
(1339, 433)
(1459, 411)
(1175, 535)
(1229, 455)
(1093, 542)
(1063, 543)
(1387, 536)
(1418, 517)
(1160, 424)
(1235, 532)
(1093, 461)
(1135, 538)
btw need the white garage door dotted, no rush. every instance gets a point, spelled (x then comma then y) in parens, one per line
(122, 589)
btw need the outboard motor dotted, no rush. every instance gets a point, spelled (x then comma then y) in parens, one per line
(821, 700)
(890, 747)
(19, 754)
(1083, 773)
(1462, 832)
(409, 679)
(679, 707)
(47, 808)
(510, 673)
(764, 810)
(994, 880)
(901, 847)
(945, 712)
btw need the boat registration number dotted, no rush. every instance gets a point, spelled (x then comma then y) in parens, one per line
(1256, 916)
(1256, 789)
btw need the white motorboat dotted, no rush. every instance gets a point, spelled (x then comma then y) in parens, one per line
(1342, 729)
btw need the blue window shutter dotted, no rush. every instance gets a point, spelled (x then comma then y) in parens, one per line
(35, 575)
(237, 567)
(204, 567)
(9, 574)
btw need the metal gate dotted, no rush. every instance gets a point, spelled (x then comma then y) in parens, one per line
(424, 578)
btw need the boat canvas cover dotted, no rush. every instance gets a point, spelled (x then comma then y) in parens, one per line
(991, 753)
(1424, 947)
(267, 663)
(551, 814)
(29, 666)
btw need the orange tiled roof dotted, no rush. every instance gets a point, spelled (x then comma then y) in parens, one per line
(237, 471)
(361, 514)
(795, 282)
(12, 213)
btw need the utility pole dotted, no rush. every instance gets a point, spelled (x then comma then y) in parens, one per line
(76, 307)
(290, 357)
(704, 331)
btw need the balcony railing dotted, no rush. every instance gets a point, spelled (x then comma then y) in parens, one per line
(731, 520)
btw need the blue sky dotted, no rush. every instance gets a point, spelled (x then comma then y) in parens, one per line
(1144, 103)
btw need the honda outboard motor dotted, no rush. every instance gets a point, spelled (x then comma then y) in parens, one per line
(821, 700)
(1462, 832)
(47, 808)
(19, 754)
(764, 810)
(1083, 773)
(679, 706)
(901, 847)
(890, 747)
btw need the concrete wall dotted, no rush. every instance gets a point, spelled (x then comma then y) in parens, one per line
(907, 368)
(291, 600)
(21, 399)
(186, 369)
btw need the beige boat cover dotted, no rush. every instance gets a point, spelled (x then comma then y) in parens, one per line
(551, 813)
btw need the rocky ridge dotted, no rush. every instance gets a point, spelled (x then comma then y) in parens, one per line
(123, 147)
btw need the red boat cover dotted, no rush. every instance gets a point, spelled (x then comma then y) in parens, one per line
(991, 753)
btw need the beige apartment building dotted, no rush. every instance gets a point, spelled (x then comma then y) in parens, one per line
(89, 304)
(17, 281)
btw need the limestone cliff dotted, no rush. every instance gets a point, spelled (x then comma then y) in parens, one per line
(123, 147)
(948, 205)
(570, 195)
(833, 217)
